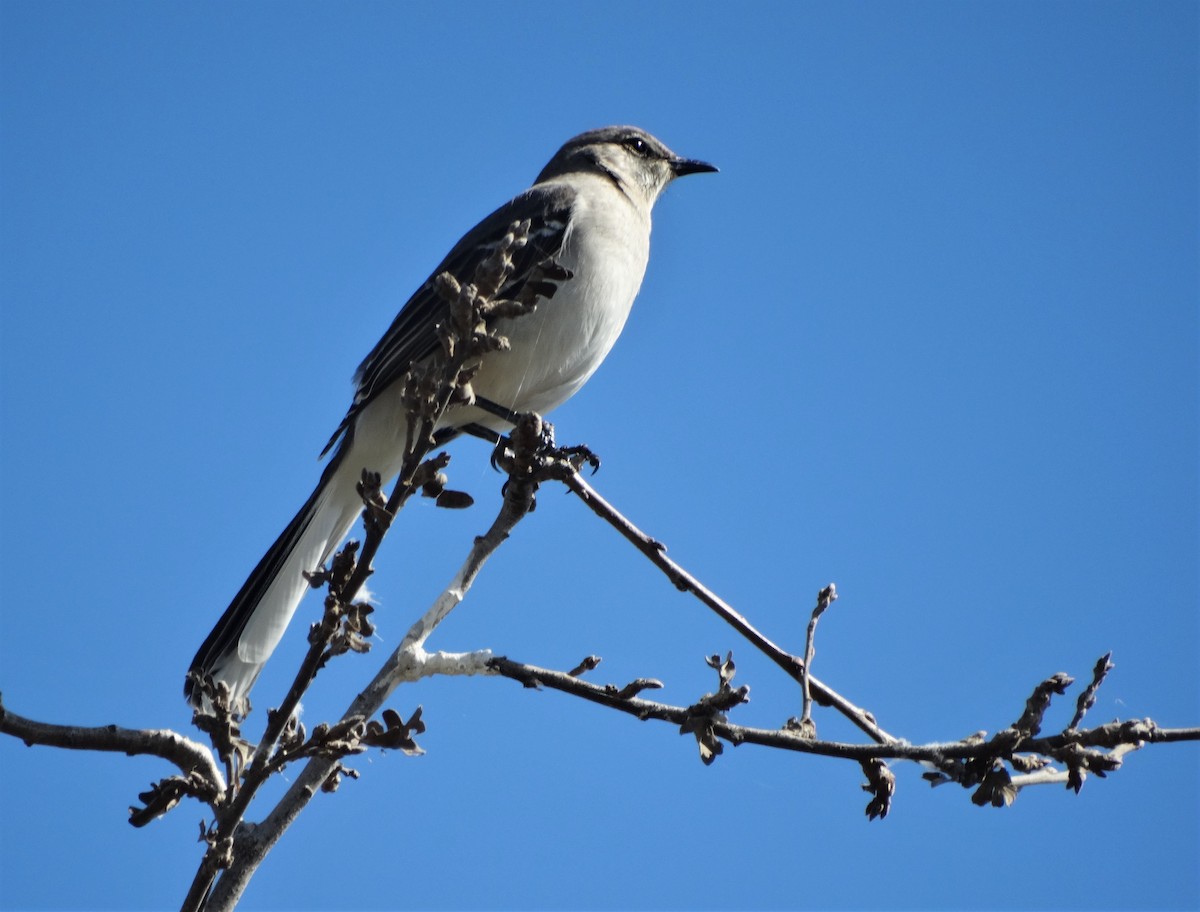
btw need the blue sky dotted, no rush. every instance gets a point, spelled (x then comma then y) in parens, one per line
(931, 334)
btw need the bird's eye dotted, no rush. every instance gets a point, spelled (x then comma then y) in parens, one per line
(638, 145)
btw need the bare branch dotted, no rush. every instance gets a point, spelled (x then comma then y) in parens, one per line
(614, 697)
(684, 581)
(529, 460)
(194, 760)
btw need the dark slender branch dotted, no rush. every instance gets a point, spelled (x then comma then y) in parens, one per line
(686, 582)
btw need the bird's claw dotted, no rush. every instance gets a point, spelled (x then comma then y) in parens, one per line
(530, 450)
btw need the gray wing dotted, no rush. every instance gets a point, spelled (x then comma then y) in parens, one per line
(412, 335)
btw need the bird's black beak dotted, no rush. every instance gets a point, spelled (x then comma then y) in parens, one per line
(682, 166)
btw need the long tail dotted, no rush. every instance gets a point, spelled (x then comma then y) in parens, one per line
(251, 627)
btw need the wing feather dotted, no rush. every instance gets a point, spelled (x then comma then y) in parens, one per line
(412, 336)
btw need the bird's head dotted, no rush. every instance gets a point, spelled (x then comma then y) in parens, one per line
(638, 163)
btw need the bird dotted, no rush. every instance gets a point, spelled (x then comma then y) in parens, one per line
(588, 214)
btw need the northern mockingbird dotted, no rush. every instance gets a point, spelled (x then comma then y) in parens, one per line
(589, 212)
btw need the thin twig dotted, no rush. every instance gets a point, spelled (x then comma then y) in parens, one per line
(825, 598)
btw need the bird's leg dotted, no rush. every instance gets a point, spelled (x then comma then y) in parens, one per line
(499, 411)
(478, 430)
(443, 436)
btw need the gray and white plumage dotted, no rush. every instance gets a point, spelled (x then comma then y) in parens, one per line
(590, 214)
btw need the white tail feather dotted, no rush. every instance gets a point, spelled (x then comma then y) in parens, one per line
(325, 521)
(334, 514)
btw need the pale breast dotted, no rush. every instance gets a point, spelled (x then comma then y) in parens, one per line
(555, 349)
